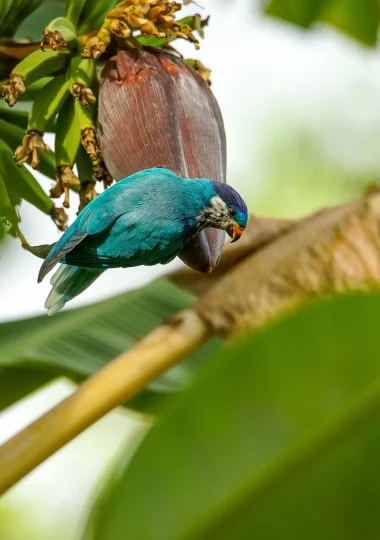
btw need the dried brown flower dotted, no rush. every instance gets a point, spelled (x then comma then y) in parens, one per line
(84, 94)
(120, 29)
(60, 218)
(101, 173)
(87, 193)
(65, 180)
(52, 39)
(12, 89)
(94, 47)
(200, 68)
(90, 143)
(32, 142)
(152, 18)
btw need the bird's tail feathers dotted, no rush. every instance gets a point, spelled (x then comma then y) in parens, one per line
(69, 281)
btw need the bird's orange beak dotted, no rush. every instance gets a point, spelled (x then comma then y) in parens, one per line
(235, 231)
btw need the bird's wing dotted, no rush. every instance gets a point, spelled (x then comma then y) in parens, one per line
(95, 218)
(134, 208)
(134, 239)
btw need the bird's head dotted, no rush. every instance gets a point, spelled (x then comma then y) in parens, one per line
(227, 211)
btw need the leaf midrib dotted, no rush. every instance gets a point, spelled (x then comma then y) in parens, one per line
(38, 336)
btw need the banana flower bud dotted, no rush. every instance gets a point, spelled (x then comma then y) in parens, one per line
(156, 111)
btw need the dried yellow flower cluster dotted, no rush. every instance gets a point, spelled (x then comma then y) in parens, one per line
(151, 17)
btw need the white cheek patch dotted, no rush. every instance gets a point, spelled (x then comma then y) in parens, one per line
(216, 214)
(218, 205)
(219, 209)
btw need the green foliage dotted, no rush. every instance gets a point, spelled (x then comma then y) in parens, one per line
(8, 202)
(359, 20)
(277, 438)
(78, 343)
(40, 18)
(3, 231)
(296, 11)
(18, 382)
(13, 13)
(305, 172)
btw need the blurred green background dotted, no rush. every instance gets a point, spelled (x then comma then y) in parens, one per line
(302, 115)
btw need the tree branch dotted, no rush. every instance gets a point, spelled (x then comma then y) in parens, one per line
(279, 265)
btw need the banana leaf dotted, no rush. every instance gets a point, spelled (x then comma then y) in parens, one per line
(359, 20)
(278, 437)
(77, 343)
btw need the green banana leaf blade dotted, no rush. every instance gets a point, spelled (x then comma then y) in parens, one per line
(360, 20)
(79, 342)
(278, 437)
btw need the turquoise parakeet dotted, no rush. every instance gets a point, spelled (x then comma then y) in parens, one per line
(145, 219)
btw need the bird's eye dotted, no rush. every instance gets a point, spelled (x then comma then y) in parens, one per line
(232, 212)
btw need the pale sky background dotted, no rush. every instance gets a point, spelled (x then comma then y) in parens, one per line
(267, 76)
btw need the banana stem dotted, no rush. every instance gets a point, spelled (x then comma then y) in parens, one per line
(121, 379)
(24, 242)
